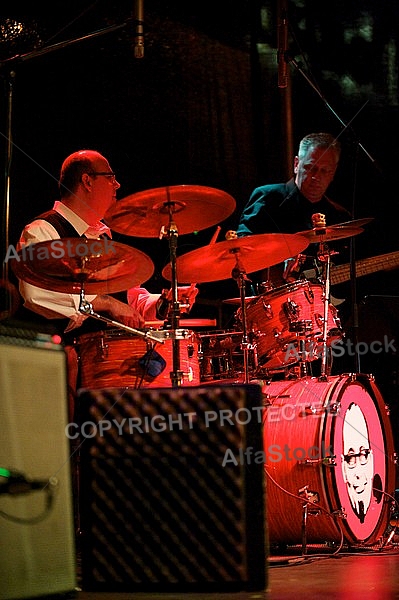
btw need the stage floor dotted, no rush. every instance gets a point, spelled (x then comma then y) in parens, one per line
(366, 574)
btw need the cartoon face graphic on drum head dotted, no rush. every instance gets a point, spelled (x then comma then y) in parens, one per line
(357, 460)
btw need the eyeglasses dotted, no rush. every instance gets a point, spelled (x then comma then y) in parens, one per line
(363, 457)
(103, 174)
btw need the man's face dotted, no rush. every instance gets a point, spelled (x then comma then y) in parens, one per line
(104, 188)
(315, 172)
(357, 460)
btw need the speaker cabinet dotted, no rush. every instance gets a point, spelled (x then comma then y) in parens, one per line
(36, 525)
(168, 499)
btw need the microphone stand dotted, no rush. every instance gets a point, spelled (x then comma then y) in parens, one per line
(347, 126)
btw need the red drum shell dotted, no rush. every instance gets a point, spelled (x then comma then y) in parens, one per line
(218, 352)
(308, 420)
(111, 359)
(276, 317)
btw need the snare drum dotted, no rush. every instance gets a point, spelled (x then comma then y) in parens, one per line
(278, 319)
(329, 445)
(218, 352)
(114, 358)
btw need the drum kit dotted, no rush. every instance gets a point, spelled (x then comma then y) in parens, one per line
(279, 332)
(273, 331)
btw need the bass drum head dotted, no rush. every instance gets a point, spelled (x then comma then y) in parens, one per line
(364, 448)
(328, 445)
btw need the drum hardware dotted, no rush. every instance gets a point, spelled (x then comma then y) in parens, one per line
(325, 257)
(217, 352)
(226, 259)
(222, 260)
(268, 309)
(186, 209)
(86, 308)
(328, 461)
(310, 497)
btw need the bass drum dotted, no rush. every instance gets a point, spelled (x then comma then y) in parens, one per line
(328, 445)
(114, 358)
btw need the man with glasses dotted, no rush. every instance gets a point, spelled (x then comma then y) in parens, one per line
(88, 188)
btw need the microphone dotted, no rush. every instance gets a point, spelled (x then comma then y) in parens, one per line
(139, 29)
(282, 43)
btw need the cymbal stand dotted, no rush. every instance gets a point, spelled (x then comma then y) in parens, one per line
(172, 233)
(239, 274)
(86, 308)
(324, 256)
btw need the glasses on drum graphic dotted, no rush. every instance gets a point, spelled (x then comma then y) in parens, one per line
(353, 458)
(357, 460)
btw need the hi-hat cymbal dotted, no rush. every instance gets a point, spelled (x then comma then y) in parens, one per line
(103, 266)
(336, 232)
(252, 253)
(190, 207)
(318, 235)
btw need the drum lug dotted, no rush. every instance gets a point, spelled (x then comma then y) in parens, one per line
(309, 295)
(291, 310)
(334, 408)
(189, 375)
(268, 309)
(102, 350)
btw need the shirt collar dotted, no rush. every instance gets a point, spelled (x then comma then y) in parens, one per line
(79, 224)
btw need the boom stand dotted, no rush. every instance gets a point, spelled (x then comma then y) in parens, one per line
(172, 233)
(239, 274)
(86, 308)
(324, 256)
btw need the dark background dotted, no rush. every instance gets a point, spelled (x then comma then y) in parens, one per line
(203, 107)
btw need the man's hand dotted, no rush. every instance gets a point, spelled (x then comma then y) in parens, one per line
(186, 296)
(118, 311)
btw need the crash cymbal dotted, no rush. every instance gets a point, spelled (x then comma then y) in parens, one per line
(103, 266)
(254, 252)
(191, 208)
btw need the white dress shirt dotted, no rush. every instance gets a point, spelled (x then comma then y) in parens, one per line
(56, 305)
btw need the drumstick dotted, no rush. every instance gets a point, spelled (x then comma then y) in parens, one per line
(215, 235)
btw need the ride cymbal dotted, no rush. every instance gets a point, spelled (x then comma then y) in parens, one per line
(63, 265)
(190, 207)
(250, 253)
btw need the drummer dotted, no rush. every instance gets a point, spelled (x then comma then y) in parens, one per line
(288, 207)
(88, 188)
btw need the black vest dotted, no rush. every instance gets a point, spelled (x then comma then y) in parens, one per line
(64, 230)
